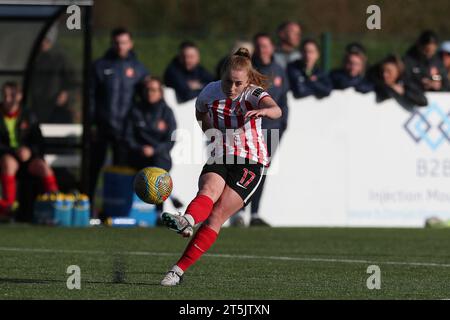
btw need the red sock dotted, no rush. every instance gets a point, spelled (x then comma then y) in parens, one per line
(202, 241)
(50, 184)
(200, 208)
(9, 190)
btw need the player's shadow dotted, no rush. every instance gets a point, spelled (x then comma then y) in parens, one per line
(49, 281)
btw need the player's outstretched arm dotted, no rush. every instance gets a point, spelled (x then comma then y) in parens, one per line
(267, 108)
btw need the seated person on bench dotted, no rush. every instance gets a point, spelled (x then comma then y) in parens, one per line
(20, 147)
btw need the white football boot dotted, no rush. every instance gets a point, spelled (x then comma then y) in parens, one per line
(178, 223)
(173, 277)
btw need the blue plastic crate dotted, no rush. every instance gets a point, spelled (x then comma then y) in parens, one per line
(120, 200)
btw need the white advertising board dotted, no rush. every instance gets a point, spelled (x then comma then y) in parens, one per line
(344, 161)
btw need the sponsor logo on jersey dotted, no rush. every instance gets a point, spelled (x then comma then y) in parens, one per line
(257, 92)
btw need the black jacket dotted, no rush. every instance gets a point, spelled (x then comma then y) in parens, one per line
(417, 67)
(279, 86)
(115, 82)
(413, 95)
(151, 125)
(301, 84)
(52, 73)
(28, 134)
(176, 76)
(342, 80)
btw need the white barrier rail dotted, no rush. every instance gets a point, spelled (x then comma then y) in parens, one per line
(62, 131)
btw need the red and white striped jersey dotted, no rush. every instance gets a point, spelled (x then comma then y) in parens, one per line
(241, 137)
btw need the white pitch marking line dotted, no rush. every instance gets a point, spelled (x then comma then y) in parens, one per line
(281, 258)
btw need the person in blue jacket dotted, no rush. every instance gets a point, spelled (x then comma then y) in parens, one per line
(185, 74)
(114, 83)
(305, 76)
(149, 129)
(353, 73)
(263, 61)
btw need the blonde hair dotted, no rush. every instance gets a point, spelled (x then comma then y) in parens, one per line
(241, 60)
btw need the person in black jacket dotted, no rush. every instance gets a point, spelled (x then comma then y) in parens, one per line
(115, 81)
(263, 61)
(353, 73)
(305, 77)
(149, 132)
(185, 74)
(21, 146)
(423, 65)
(392, 84)
(149, 128)
(53, 83)
(444, 53)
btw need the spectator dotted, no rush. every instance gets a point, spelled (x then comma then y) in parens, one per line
(116, 77)
(185, 74)
(392, 84)
(355, 47)
(52, 80)
(423, 66)
(353, 73)
(290, 35)
(263, 61)
(20, 147)
(148, 131)
(305, 77)
(238, 44)
(444, 51)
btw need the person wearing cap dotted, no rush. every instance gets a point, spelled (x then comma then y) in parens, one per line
(444, 53)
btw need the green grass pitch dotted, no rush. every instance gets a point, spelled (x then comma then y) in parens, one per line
(264, 263)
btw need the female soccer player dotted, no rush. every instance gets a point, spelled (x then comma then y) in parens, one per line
(230, 177)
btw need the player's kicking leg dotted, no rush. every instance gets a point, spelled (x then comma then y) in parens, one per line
(228, 203)
(179, 223)
(211, 186)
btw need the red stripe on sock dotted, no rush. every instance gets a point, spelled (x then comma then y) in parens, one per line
(200, 208)
(202, 241)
